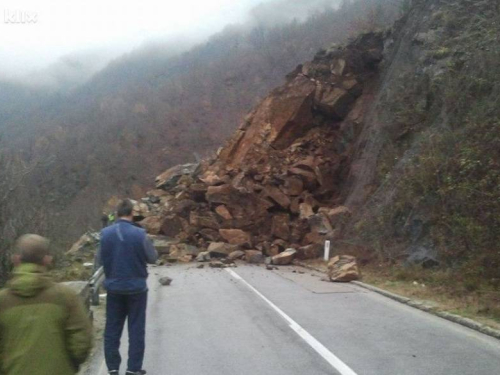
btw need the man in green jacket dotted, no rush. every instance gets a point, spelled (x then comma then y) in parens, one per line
(43, 326)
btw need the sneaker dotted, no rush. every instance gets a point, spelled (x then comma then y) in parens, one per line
(113, 372)
(140, 372)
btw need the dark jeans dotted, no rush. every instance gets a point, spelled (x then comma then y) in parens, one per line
(119, 308)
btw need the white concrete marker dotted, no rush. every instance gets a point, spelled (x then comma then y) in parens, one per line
(327, 251)
(327, 355)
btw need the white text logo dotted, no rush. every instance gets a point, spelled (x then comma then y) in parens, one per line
(20, 17)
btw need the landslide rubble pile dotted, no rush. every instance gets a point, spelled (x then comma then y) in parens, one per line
(274, 189)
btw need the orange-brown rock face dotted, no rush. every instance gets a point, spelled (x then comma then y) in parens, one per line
(276, 185)
(277, 122)
(322, 92)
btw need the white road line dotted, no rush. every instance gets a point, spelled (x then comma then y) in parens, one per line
(327, 355)
(102, 370)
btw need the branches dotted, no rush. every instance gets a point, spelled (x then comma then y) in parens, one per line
(17, 204)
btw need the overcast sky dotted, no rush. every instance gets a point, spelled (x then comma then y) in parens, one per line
(35, 33)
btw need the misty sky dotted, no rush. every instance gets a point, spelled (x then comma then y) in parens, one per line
(35, 33)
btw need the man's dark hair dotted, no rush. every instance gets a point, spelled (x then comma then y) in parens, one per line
(32, 248)
(125, 208)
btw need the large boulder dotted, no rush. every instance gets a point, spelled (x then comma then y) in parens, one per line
(284, 258)
(204, 219)
(141, 210)
(88, 242)
(170, 177)
(277, 196)
(156, 195)
(254, 256)
(210, 235)
(172, 225)
(238, 254)
(280, 227)
(221, 249)
(250, 210)
(294, 186)
(313, 238)
(308, 175)
(223, 194)
(210, 178)
(277, 247)
(183, 250)
(298, 230)
(203, 257)
(343, 268)
(333, 101)
(152, 224)
(245, 208)
(162, 244)
(319, 223)
(236, 237)
(223, 212)
(309, 252)
(305, 210)
(181, 207)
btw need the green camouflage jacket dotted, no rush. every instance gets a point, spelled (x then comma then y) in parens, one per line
(43, 326)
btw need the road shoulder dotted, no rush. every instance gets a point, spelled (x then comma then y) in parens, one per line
(422, 305)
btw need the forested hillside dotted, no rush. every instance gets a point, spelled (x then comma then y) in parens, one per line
(65, 152)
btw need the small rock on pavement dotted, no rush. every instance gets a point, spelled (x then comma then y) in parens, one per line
(166, 281)
(201, 266)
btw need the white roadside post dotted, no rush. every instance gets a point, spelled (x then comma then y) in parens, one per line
(327, 251)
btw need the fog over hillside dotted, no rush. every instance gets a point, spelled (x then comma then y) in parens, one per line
(63, 48)
(281, 11)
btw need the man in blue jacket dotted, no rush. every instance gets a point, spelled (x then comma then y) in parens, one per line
(124, 253)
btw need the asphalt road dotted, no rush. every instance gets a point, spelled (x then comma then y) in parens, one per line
(250, 321)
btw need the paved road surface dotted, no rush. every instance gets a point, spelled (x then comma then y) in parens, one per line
(253, 322)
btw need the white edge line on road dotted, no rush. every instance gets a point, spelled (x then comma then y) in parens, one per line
(327, 355)
(102, 370)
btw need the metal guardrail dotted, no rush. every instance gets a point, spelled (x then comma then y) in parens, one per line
(95, 285)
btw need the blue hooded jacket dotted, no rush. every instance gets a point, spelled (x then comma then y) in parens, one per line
(124, 253)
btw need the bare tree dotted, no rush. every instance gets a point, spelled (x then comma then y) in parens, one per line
(20, 206)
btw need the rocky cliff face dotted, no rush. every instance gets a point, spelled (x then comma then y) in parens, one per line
(423, 184)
